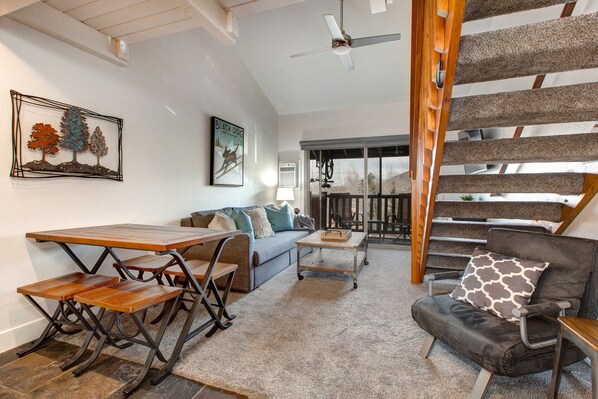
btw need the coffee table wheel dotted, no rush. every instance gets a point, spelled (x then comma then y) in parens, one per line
(355, 284)
(300, 277)
(366, 262)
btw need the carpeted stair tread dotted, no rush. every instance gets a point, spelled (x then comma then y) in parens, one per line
(475, 230)
(453, 247)
(480, 9)
(556, 183)
(525, 50)
(446, 262)
(563, 104)
(548, 211)
(560, 148)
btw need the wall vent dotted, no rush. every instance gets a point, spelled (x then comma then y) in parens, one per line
(287, 174)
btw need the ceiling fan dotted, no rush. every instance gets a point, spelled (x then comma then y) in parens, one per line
(342, 43)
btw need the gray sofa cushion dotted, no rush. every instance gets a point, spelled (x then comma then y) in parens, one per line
(490, 341)
(268, 248)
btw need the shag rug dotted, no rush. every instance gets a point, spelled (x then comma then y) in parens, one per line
(320, 338)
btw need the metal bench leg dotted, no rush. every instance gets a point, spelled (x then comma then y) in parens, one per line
(221, 302)
(53, 326)
(154, 345)
(103, 332)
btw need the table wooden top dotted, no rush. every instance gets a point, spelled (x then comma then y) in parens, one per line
(585, 329)
(315, 240)
(134, 236)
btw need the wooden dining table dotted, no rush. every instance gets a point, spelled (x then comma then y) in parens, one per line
(163, 240)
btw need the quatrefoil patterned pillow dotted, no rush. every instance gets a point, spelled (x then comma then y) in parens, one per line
(498, 283)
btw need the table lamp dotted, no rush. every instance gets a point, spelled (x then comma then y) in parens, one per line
(285, 194)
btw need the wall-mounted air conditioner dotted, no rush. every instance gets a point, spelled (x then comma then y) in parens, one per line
(287, 174)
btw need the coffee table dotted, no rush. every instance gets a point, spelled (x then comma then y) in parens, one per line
(345, 257)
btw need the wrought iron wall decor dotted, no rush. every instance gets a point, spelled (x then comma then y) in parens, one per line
(228, 147)
(100, 153)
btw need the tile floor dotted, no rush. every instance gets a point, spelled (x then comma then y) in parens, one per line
(38, 376)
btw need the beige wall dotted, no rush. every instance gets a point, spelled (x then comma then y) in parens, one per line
(165, 154)
(367, 121)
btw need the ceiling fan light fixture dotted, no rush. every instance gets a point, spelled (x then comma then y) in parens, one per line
(341, 48)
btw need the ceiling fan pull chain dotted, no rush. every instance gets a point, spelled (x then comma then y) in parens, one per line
(342, 16)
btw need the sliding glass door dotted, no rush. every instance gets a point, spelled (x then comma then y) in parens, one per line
(362, 189)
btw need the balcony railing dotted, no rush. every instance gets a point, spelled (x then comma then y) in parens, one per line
(388, 217)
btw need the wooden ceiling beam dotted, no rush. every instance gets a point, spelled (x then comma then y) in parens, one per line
(8, 6)
(59, 25)
(220, 23)
(242, 8)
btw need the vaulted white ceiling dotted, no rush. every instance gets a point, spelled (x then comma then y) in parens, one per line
(263, 32)
(319, 82)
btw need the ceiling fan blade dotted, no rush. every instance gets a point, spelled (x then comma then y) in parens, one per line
(347, 61)
(335, 31)
(372, 40)
(320, 50)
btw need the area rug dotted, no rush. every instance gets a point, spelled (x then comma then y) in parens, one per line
(320, 338)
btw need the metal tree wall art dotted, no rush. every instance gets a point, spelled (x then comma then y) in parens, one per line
(73, 152)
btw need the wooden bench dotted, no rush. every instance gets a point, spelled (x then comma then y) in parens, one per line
(154, 263)
(62, 289)
(128, 297)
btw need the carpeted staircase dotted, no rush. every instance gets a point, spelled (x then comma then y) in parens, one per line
(559, 45)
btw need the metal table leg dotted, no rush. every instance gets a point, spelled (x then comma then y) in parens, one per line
(201, 298)
(299, 275)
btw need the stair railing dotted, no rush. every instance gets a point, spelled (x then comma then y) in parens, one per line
(435, 34)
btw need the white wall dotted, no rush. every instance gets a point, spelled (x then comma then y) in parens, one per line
(366, 121)
(166, 156)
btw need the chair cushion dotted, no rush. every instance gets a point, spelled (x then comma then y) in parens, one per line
(498, 283)
(280, 219)
(572, 261)
(492, 342)
(260, 223)
(270, 247)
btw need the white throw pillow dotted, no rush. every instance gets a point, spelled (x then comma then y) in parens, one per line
(222, 222)
(260, 223)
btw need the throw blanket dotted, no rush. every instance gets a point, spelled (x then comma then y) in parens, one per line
(305, 222)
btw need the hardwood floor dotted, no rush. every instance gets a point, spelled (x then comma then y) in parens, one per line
(38, 376)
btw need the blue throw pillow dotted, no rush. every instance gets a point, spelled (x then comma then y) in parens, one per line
(280, 219)
(243, 222)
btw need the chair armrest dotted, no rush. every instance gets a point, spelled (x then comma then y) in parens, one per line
(430, 278)
(539, 309)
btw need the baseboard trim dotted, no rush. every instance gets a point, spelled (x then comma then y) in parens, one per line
(22, 334)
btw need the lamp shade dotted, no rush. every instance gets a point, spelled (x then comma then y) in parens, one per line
(285, 194)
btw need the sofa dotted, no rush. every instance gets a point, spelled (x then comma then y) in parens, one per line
(258, 259)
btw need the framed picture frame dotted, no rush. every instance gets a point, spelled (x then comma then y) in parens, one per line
(54, 139)
(227, 153)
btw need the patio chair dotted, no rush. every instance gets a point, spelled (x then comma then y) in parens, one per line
(400, 221)
(341, 212)
(504, 348)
